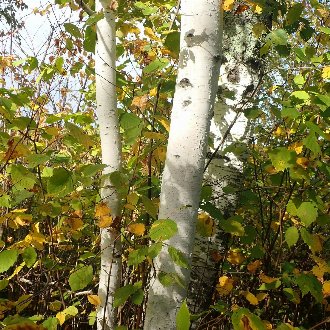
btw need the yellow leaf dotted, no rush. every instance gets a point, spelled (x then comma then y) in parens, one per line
(17, 270)
(302, 161)
(225, 285)
(52, 131)
(235, 257)
(140, 101)
(94, 299)
(250, 297)
(205, 225)
(258, 9)
(61, 317)
(326, 72)
(101, 210)
(153, 92)
(154, 136)
(160, 153)
(228, 5)
(253, 266)
(137, 229)
(272, 89)
(321, 268)
(150, 33)
(164, 121)
(105, 221)
(279, 131)
(326, 289)
(267, 279)
(75, 223)
(261, 296)
(297, 147)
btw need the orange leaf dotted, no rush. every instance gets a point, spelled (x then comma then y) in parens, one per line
(137, 229)
(267, 279)
(94, 299)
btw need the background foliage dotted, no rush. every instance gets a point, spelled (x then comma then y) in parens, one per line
(274, 273)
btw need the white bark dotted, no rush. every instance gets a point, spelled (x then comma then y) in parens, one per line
(192, 109)
(105, 62)
(238, 76)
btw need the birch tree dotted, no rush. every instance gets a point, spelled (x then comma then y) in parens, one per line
(238, 81)
(105, 61)
(194, 97)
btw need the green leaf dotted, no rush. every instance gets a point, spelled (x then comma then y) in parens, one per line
(311, 240)
(178, 257)
(291, 236)
(137, 297)
(92, 169)
(282, 158)
(79, 135)
(22, 178)
(172, 42)
(167, 279)
(92, 318)
(81, 277)
(7, 259)
(301, 95)
(325, 30)
(150, 206)
(60, 183)
(37, 159)
(94, 18)
(89, 40)
(157, 64)
(270, 286)
(73, 30)
(294, 13)
(232, 226)
(137, 256)
(311, 142)
(154, 249)
(122, 294)
(5, 200)
(309, 283)
(51, 323)
(162, 230)
(132, 126)
(3, 284)
(255, 322)
(307, 212)
(278, 37)
(29, 256)
(183, 317)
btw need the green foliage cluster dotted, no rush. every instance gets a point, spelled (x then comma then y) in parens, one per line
(274, 273)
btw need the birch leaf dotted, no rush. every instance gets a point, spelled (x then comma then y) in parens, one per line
(183, 317)
(162, 230)
(94, 299)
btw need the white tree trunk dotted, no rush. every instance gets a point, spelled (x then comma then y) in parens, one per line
(182, 178)
(239, 77)
(105, 63)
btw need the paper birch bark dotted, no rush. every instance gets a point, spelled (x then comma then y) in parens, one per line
(105, 62)
(238, 81)
(194, 97)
